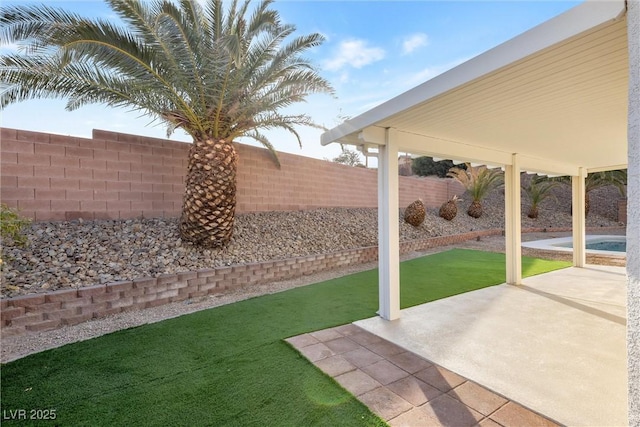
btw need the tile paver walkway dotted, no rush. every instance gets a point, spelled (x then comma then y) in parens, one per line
(405, 389)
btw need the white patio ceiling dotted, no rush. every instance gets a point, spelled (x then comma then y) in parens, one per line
(556, 95)
(553, 100)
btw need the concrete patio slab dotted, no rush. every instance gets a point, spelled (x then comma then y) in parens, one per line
(384, 402)
(451, 412)
(385, 372)
(357, 382)
(409, 362)
(478, 398)
(410, 401)
(556, 344)
(414, 391)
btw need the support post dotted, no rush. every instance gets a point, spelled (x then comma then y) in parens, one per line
(579, 222)
(388, 230)
(513, 229)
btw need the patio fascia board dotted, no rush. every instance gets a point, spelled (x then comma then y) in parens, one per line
(437, 147)
(547, 166)
(575, 21)
(608, 168)
(459, 151)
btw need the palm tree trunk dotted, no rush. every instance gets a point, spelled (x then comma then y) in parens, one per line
(475, 209)
(209, 205)
(587, 204)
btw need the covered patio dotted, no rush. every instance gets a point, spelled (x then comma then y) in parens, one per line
(555, 345)
(560, 99)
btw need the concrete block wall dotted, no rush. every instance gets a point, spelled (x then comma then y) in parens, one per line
(54, 177)
(306, 183)
(114, 175)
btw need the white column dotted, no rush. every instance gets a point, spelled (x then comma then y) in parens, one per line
(633, 213)
(388, 230)
(579, 223)
(512, 228)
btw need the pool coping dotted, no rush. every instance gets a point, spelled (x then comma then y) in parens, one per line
(556, 243)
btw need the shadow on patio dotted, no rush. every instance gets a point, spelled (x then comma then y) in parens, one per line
(555, 345)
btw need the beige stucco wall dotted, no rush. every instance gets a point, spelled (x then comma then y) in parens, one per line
(633, 212)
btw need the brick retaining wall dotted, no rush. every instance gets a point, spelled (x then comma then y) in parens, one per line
(39, 312)
(114, 175)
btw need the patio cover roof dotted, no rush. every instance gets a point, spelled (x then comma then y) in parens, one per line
(552, 100)
(556, 95)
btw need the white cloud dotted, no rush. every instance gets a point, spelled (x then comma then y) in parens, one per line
(354, 53)
(344, 77)
(413, 42)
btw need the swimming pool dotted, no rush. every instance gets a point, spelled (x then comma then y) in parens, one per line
(595, 244)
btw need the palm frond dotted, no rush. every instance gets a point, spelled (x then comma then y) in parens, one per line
(213, 69)
(265, 142)
(539, 189)
(617, 178)
(594, 180)
(478, 180)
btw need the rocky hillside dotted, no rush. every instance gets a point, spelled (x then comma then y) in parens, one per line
(70, 254)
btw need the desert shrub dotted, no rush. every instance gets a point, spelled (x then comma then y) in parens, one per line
(12, 226)
(349, 158)
(426, 166)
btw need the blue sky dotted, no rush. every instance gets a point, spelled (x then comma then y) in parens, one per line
(374, 50)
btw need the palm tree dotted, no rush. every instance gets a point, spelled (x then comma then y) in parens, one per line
(538, 190)
(594, 180)
(478, 181)
(217, 72)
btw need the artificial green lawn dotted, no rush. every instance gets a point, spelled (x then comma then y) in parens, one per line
(229, 365)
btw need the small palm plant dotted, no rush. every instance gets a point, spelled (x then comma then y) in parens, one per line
(617, 178)
(594, 180)
(538, 190)
(217, 70)
(478, 181)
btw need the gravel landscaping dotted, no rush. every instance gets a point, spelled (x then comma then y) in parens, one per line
(15, 347)
(62, 255)
(74, 254)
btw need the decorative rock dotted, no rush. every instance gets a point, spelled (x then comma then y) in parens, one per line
(112, 247)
